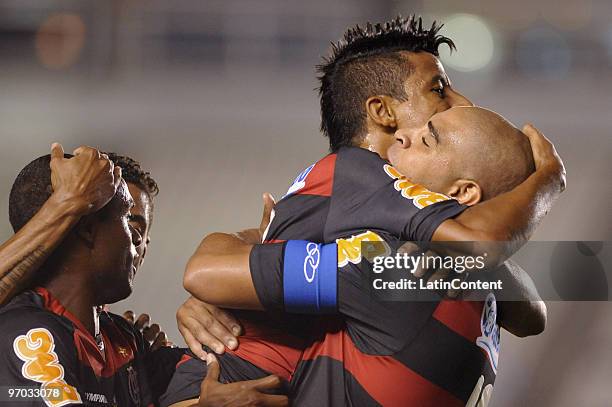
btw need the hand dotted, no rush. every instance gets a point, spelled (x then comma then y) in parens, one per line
(545, 155)
(254, 235)
(155, 337)
(240, 394)
(204, 324)
(88, 180)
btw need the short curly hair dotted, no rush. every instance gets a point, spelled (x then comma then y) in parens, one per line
(131, 171)
(365, 63)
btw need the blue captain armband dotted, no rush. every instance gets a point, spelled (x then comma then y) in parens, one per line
(310, 277)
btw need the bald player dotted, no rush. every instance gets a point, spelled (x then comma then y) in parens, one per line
(434, 351)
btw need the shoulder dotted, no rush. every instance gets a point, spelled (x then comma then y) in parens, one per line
(25, 316)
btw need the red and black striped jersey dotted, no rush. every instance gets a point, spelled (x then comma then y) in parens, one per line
(46, 349)
(378, 353)
(385, 352)
(344, 193)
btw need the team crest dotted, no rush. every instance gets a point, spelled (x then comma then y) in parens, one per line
(489, 340)
(133, 386)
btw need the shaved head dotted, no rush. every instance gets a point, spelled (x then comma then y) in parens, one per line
(461, 145)
(492, 151)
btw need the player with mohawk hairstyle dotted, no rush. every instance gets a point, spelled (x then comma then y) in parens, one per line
(379, 81)
(371, 61)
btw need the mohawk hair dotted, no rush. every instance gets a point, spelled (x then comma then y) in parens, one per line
(365, 63)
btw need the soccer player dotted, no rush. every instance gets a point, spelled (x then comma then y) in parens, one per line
(81, 185)
(53, 338)
(76, 180)
(389, 353)
(377, 79)
(380, 78)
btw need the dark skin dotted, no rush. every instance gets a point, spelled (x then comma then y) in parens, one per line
(97, 260)
(225, 258)
(140, 220)
(81, 186)
(429, 91)
(213, 393)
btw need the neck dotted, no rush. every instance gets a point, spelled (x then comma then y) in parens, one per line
(76, 296)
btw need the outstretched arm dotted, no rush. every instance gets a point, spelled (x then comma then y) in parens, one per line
(81, 185)
(501, 225)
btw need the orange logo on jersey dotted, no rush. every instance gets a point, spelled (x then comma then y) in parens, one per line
(37, 350)
(420, 196)
(350, 250)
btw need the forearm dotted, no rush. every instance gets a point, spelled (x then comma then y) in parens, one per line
(521, 310)
(501, 225)
(219, 273)
(23, 254)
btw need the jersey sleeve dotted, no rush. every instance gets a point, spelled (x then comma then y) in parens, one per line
(37, 352)
(284, 281)
(266, 262)
(370, 194)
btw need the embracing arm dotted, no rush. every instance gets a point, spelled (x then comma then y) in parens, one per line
(219, 273)
(501, 225)
(81, 185)
(521, 310)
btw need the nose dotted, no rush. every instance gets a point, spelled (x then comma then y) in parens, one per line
(402, 137)
(457, 99)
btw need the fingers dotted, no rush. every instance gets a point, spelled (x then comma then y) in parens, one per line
(142, 321)
(57, 151)
(272, 400)
(421, 268)
(532, 132)
(226, 319)
(202, 331)
(150, 333)
(117, 173)
(211, 326)
(212, 375)
(193, 344)
(266, 383)
(86, 150)
(269, 203)
(160, 341)
(129, 316)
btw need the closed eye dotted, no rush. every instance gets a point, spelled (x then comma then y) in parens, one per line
(424, 142)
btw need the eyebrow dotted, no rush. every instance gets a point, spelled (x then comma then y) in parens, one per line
(434, 132)
(440, 78)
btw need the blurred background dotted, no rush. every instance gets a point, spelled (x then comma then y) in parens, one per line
(217, 100)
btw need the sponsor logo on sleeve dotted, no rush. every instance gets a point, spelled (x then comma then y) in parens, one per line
(489, 340)
(420, 196)
(352, 250)
(311, 262)
(41, 365)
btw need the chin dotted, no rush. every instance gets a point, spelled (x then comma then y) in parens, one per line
(118, 293)
(115, 291)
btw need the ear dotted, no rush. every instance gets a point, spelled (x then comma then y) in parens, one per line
(85, 230)
(380, 111)
(466, 192)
